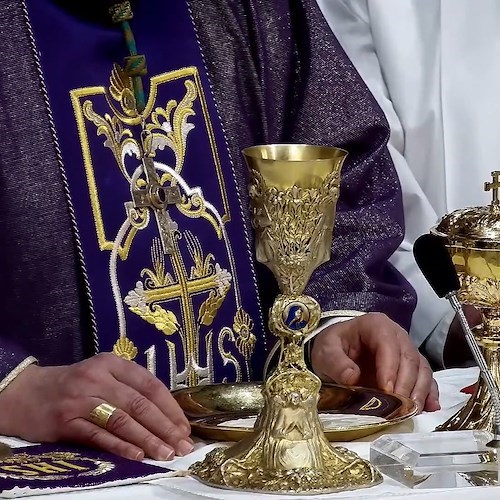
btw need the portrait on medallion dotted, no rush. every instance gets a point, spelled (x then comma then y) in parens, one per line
(129, 266)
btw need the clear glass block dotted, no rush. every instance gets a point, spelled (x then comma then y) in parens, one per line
(437, 459)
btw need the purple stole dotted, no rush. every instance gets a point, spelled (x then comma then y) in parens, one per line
(174, 290)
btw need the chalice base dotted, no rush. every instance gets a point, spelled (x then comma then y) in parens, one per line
(288, 452)
(478, 413)
(244, 467)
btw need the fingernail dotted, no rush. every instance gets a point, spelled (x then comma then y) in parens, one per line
(389, 386)
(165, 453)
(139, 455)
(184, 448)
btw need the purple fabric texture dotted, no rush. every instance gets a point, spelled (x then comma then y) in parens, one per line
(277, 75)
(290, 79)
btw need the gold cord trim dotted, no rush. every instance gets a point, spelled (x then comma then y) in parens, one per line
(342, 313)
(16, 371)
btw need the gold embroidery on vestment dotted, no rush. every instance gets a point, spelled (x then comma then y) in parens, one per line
(125, 348)
(165, 127)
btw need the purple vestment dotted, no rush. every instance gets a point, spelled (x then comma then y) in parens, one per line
(270, 72)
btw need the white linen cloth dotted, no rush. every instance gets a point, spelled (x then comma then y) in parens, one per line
(185, 488)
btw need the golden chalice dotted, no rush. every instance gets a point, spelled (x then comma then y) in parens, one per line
(472, 236)
(293, 191)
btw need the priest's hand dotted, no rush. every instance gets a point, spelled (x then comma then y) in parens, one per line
(373, 351)
(49, 404)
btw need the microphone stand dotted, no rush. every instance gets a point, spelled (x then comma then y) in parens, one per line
(481, 363)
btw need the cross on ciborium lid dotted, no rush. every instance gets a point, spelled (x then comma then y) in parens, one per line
(493, 186)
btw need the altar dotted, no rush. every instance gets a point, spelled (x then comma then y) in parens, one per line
(179, 486)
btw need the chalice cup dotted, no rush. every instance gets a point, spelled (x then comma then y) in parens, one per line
(472, 236)
(293, 191)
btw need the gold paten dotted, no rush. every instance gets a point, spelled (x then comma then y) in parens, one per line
(210, 407)
(293, 192)
(473, 238)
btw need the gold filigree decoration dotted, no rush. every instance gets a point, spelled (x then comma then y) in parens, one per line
(293, 355)
(245, 338)
(169, 126)
(119, 140)
(22, 458)
(472, 224)
(203, 268)
(122, 90)
(125, 348)
(116, 125)
(210, 307)
(138, 217)
(481, 292)
(347, 472)
(204, 276)
(193, 205)
(293, 228)
(289, 454)
(163, 320)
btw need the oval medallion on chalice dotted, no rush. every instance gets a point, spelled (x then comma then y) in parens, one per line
(296, 316)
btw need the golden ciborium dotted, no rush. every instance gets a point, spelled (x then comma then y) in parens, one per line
(293, 192)
(472, 236)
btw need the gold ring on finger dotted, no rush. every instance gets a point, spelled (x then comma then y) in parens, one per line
(101, 414)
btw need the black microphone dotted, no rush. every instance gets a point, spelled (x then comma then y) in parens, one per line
(434, 260)
(436, 265)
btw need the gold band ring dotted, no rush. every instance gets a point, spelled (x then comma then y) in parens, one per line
(101, 414)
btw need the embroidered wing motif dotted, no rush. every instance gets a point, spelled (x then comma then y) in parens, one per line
(121, 89)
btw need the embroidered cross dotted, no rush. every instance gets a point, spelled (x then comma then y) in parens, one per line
(158, 197)
(493, 186)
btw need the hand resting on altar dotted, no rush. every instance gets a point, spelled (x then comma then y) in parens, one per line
(50, 404)
(373, 351)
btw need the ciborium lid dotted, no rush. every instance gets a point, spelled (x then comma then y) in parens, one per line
(476, 226)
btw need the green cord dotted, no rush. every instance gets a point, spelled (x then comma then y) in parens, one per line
(135, 64)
